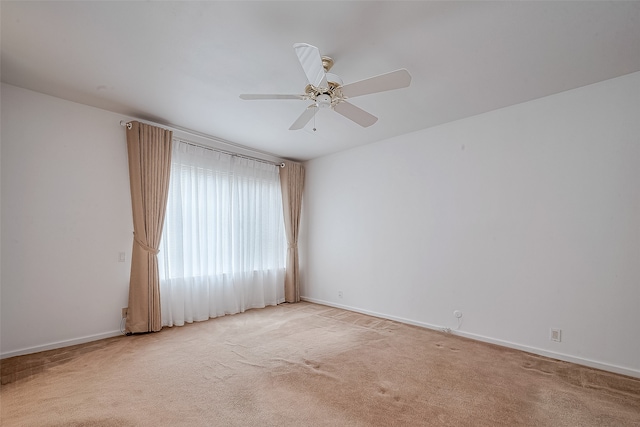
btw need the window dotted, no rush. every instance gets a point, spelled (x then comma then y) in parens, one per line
(223, 247)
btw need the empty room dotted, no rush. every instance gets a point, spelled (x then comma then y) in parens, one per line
(320, 213)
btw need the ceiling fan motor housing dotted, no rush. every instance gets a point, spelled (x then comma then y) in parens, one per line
(332, 78)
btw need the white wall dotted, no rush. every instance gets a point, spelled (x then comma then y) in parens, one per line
(66, 214)
(524, 218)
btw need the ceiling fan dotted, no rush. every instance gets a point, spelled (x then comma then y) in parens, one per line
(326, 90)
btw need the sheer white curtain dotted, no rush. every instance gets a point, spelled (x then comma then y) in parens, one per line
(223, 245)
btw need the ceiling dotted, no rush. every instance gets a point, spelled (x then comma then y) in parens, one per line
(186, 63)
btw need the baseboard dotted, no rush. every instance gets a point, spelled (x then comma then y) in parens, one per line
(551, 354)
(59, 344)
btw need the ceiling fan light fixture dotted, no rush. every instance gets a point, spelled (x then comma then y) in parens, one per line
(323, 101)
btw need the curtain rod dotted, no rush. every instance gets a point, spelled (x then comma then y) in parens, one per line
(218, 150)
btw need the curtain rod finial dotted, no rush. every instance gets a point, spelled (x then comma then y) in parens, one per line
(125, 124)
(282, 164)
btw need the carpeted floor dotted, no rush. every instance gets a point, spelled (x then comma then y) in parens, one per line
(307, 365)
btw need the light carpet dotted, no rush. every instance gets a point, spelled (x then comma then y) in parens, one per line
(307, 365)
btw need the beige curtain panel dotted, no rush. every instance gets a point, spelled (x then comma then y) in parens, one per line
(292, 184)
(149, 149)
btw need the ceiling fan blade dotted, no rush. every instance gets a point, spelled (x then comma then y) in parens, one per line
(356, 114)
(389, 81)
(304, 117)
(311, 61)
(268, 96)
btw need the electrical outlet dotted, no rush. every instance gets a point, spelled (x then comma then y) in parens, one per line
(555, 335)
(125, 310)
